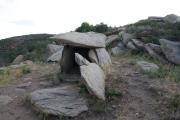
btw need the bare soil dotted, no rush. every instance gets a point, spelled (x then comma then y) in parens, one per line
(142, 98)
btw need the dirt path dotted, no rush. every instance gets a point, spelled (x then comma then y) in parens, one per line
(138, 102)
(17, 109)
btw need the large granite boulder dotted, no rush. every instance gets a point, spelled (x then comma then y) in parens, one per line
(126, 37)
(104, 60)
(172, 18)
(18, 60)
(118, 50)
(56, 57)
(155, 47)
(87, 40)
(171, 50)
(139, 44)
(147, 66)
(61, 101)
(111, 39)
(51, 49)
(131, 46)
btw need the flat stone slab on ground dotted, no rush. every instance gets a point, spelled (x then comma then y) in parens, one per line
(147, 66)
(4, 100)
(61, 101)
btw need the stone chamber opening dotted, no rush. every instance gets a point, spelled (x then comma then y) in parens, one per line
(68, 63)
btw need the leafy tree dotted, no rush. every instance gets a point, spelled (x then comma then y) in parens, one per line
(101, 28)
(85, 27)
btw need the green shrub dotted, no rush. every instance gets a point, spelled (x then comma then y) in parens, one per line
(100, 28)
(26, 70)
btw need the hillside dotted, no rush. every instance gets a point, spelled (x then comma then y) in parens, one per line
(31, 46)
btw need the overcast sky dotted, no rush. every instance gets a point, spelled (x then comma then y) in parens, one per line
(18, 17)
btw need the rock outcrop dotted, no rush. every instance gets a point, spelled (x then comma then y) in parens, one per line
(171, 50)
(111, 39)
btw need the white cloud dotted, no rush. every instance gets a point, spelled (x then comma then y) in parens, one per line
(19, 17)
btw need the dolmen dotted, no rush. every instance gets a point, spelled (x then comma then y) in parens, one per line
(83, 54)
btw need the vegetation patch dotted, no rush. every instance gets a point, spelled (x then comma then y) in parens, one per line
(154, 30)
(166, 71)
(8, 75)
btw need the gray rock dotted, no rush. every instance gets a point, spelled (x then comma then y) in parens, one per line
(87, 40)
(68, 59)
(154, 18)
(52, 48)
(61, 101)
(171, 50)
(117, 50)
(111, 39)
(94, 79)
(104, 60)
(131, 46)
(18, 60)
(126, 37)
(155, 47)
(4, 100)
(147, 66)
(56, 57)
(172, 18)
(28, 62)
(80, 60)
(92, 56)
(138, 44)
(25, 85)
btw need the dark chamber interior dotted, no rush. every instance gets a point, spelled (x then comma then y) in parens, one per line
(68, 63)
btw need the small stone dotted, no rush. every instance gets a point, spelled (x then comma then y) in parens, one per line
(147, 66)
(24, 85)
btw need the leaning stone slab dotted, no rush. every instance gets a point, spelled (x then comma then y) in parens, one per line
(92, 56)
(80, 60)
(104, 60)
(4, 100)
(171, 50)
(147, 66)
(87, 40)
(94, 79)
(61, 101)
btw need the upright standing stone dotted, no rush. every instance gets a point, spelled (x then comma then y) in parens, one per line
(104, 59)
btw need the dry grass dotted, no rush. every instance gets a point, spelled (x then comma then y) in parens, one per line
(9, 75)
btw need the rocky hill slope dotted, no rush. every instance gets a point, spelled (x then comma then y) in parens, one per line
(32, 46)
